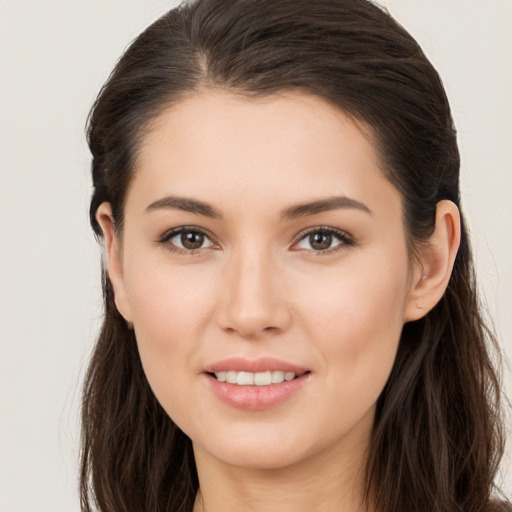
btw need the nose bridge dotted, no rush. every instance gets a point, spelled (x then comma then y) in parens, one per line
(253, 302)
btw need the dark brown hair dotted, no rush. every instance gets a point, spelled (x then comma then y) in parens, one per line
(437, 437)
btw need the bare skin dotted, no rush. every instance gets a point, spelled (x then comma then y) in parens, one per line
(266, 229)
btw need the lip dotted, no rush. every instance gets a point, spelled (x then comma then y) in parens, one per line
(255, 398)
(239, 364)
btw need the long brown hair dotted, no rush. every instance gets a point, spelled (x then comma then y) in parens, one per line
(437, 438)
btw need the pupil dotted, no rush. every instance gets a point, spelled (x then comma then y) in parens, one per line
(320, 241)
(192, 240)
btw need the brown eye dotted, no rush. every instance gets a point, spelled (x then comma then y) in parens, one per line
(192, 240)
(324, 240)
(320, 241)
(188, 239)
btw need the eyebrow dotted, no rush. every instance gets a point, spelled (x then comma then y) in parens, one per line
(293, 212)
(323, 205)
(186, 205)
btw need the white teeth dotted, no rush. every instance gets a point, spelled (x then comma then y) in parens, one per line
(263, 378)
(231, 377)
(245, 379)
(254, 379)
(221, 376)
(277, 377)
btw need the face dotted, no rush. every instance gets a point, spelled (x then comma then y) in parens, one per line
(264, 266)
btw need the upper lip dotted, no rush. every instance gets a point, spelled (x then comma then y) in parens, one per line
(264, 364)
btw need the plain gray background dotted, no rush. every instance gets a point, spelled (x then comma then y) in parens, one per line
(54, 56)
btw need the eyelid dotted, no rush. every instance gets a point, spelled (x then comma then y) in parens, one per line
(346, 238)
(171, 233)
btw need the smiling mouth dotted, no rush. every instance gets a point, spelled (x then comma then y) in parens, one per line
(255, 379)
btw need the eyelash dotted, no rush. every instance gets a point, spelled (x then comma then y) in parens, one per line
(166, 238)
(345, 239)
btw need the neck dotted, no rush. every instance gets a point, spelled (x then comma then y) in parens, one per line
(330, 481)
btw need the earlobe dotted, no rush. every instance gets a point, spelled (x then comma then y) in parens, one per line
(435, 261)
(113, 259)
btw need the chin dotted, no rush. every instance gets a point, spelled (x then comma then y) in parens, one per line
(257, 458)
(263, 450)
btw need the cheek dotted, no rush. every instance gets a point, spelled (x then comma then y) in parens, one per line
(169, 308)
(357, 319)
(166, 298)
(363, 298)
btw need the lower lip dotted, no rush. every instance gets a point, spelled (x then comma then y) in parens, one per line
(256, 398)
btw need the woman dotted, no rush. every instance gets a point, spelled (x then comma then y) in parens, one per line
(291, 315)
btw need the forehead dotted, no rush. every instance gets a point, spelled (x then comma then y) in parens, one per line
(278, 120)
(287, 146)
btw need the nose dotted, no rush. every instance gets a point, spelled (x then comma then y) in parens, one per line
(254, 303)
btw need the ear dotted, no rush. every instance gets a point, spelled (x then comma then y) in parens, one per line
(434, 262)
(113, 258)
